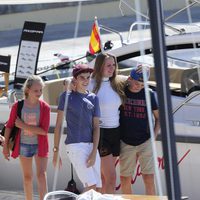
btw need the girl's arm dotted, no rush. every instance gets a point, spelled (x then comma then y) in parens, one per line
(6, 151)
(31, 128)
(2, 140)
(9, 127)
(42, 129)
(69, 84)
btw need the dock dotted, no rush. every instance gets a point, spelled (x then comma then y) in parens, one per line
(8, 195)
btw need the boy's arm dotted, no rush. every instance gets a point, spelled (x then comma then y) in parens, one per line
(57, 135)
(157, 122)
(96, 134)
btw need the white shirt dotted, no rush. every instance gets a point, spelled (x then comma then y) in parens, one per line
(109, 102)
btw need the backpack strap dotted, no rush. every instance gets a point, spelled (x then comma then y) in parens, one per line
(19, 107)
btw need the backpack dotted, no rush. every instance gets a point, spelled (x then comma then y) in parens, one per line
(15, 129)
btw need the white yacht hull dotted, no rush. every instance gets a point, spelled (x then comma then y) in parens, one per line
(11, 178)
(187, 129)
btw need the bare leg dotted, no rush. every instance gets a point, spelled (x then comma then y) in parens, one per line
(89, 188)
(41, 167)
(149, 184)
(108, 173)
(126, 184)
(103, 183)
(26, 165)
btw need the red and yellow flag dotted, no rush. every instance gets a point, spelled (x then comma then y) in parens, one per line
(95, 43)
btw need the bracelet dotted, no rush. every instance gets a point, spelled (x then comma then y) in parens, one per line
(55, 149)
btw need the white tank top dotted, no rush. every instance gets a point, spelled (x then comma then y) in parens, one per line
(109, 102)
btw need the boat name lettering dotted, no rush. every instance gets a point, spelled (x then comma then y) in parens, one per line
(160, 166)
(195, 122)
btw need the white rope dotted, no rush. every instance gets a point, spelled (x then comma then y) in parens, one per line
(61, 132)
(67, 92)
(77, 20)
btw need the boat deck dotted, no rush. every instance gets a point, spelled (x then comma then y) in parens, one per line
(8, 195)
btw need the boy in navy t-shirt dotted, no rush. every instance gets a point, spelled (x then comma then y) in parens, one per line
(82, 118)
(135, 133)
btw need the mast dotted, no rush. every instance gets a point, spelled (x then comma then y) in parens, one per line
(164, 99)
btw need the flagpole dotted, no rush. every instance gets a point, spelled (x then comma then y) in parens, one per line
(98, 29)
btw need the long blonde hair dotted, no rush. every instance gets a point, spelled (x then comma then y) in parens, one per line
(29, 82)
(97, 75)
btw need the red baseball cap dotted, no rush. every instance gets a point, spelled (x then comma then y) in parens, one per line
(81, 68)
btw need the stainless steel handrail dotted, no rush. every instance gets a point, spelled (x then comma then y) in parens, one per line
(110, 30)
(180, 31)
(189, 98)
(132, 26)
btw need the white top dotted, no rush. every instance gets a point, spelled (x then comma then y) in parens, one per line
(109, 102)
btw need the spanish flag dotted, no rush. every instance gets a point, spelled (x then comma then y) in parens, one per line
(95, 42)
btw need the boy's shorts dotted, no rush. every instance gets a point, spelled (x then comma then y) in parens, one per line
(109, 142)
(130, 154)
(78, 154)
(28, 150)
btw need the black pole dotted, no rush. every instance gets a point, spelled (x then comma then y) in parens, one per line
(165, 107)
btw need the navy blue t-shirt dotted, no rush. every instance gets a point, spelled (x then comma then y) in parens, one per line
(134, 126)
(81, 108)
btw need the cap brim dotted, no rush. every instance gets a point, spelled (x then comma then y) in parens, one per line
(80, 71)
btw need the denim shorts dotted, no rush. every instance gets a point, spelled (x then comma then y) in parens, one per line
(28, 150)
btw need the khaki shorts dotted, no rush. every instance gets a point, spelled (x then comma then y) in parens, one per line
(130, 154)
